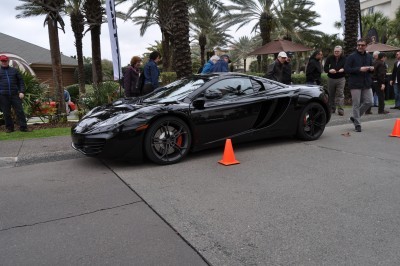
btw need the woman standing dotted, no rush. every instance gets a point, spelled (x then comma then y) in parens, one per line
(131, 78)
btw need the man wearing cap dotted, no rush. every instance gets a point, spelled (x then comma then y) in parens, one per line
(11, 95)
(276, 69)
(222, 64)
(287, 69)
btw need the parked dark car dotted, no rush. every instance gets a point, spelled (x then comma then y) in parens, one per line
(201, 112)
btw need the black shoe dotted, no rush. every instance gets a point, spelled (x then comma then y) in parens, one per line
(9, 130)
(383, 112)
(341, 112)
(394, 107)
(358, 128)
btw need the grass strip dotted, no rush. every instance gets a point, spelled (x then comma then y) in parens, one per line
(40, 133)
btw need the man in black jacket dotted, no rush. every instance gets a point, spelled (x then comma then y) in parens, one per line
(359, 67)
(334, 66)
(394, 81)
(11, 95)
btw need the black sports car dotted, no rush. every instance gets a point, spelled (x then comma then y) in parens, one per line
(200, 112)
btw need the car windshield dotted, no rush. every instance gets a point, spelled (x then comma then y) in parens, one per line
(176, 91)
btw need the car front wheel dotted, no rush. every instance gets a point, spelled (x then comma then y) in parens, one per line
(167, 140)
(312, 122)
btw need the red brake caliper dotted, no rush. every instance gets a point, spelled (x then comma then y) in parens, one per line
(179, 141)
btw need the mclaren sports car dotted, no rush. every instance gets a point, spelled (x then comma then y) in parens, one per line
(201, 112)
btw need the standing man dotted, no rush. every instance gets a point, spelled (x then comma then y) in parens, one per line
(276, 69)
(359, 67)
(11, 95)
(334, 66)
(378, 80)
(314, 68)
(151, 73)
(394, 81)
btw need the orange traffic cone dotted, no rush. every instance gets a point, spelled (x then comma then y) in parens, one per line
(229, 157)
(396, 129)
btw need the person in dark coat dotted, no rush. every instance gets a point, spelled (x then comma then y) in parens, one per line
(394, 81)
(334, 66)
(151, 73)
(276, 69)
(287, 69)
(378, 79)
(359, 68)
(314, 68)
(131, 78)
(12, 91)
(222, 64)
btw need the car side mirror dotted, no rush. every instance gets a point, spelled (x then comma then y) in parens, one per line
(199, 103)
(213, 94)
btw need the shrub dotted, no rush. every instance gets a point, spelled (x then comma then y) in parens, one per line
(167, 77)
(105, 93)
(73, 92)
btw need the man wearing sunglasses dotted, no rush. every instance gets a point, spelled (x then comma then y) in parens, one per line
(359, 67)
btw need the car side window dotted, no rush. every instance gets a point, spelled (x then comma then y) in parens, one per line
(257, 85)
(232, 87)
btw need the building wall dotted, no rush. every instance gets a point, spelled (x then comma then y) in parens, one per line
(45, 75)
(387, 7)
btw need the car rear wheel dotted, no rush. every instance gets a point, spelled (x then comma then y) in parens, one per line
(312, 122)
(167, 140)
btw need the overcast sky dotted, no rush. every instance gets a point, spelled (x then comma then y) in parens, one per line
(130, 42)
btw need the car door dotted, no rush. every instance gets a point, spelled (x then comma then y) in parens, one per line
(229, 115)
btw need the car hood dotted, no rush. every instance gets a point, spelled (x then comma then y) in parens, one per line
(111, 116)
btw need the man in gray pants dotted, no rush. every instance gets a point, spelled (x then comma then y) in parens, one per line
(359, 67)
(334, 66)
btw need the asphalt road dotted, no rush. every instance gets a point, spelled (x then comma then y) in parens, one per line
(333, 201)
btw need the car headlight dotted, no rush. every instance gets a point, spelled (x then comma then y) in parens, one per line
(112, 122)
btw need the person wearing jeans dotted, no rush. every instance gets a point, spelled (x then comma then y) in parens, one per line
(11, 95)
(359, 67)
(394, 81)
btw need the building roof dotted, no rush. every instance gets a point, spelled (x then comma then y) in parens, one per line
(277, 46)
(31, 53)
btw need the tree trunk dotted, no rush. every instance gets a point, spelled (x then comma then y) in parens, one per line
(56, 66)
(183, 62)
(77, 25)
(202, 44)
(96, 56)
(166, 49)
(352, 11)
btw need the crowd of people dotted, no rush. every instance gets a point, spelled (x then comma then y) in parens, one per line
(366, 78)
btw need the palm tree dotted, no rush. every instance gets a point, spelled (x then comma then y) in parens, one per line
(73, 9)
(351, 24)
(181, 45)
(52, 9)
(293, 18)
(94, 11)
(157, 13)
(209, 28)
(376, 21)
(160, 13)
(242, 47)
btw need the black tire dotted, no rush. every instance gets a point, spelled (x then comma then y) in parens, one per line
(312, 122)
(167, 140)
